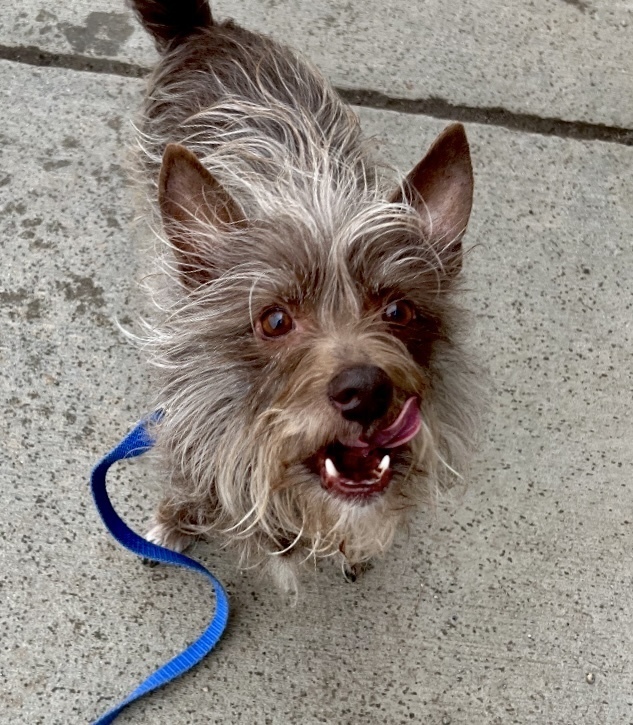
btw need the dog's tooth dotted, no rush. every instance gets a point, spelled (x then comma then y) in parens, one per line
(384, 464)
(330, 468)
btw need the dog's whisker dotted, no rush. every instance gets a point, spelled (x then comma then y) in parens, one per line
(290, 546)
(238, 524)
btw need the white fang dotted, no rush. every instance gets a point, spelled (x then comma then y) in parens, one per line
(331, 468)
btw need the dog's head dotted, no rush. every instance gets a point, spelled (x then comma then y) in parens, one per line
(313, 386)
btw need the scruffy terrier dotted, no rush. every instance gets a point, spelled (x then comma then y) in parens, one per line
(313, 389)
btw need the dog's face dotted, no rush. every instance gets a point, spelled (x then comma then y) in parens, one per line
(314, 348)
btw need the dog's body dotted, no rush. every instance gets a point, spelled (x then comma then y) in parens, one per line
(312, 386)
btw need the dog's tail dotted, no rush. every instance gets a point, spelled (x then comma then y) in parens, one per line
(171, 21)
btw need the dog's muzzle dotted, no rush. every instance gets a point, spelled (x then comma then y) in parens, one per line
(362, 469)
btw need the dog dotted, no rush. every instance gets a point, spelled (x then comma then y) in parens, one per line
(307, 333)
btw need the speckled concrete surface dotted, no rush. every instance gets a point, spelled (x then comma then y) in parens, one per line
(494, 610)
(563, 58)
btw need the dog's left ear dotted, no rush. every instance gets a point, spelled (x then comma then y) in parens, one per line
(440, 188)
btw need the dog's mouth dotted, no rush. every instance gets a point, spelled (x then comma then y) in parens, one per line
(362, 469)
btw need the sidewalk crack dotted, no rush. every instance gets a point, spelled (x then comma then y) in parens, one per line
(364, 98)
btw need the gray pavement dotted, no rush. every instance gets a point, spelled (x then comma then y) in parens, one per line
(496, 607)
(568, 59)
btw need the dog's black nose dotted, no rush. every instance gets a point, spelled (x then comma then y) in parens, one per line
(361, 393)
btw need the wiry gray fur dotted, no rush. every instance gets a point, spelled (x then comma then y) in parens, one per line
(322, 238)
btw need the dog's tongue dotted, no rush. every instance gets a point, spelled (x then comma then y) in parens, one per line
(402, 430)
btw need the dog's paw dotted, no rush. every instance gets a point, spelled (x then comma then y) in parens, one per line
(283, 571)
(163, 535)
(351, 572)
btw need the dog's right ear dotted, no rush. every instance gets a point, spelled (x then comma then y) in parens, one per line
(191, 199)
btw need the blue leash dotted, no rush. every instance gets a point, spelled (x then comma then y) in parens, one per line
(136, 442)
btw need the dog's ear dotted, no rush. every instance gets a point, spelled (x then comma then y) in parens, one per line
(440, 188)
(190, 199)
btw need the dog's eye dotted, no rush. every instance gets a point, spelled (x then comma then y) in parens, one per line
(275, 322)
(399, 312)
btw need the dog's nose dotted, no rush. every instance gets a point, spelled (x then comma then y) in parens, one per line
(361, 393)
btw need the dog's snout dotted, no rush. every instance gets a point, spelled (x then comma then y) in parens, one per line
(361, 393)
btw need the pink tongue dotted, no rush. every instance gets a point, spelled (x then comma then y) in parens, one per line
(402, 430)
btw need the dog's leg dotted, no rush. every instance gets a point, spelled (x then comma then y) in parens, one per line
(282, 565)
(283, 571)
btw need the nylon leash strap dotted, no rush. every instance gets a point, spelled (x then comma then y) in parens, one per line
(136, 442)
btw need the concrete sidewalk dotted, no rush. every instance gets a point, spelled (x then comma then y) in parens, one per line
(493, 610)
(567, 59)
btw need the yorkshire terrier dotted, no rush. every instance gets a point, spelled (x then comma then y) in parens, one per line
(313, 387)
